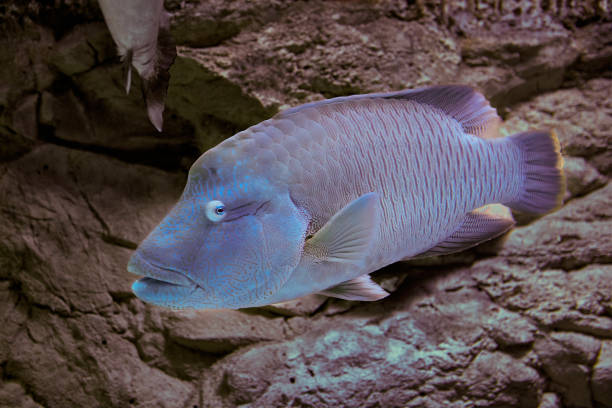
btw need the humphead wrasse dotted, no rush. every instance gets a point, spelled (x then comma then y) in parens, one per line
(319, 196)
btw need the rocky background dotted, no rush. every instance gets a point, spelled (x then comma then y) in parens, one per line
(520, 322)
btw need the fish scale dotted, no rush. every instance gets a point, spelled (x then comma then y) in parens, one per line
(361, 156)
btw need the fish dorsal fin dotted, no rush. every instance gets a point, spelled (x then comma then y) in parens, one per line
(468, 106)
(463, 103)
(361, 288)
(480, 225)
(348, 233)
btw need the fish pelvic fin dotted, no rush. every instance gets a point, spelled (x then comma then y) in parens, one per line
(362, 288)
(543, 184)
(346, 237)
(127, 70)
(155, 88)
(480, 225)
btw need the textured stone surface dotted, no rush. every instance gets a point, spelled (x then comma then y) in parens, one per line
(81, 49)
(65, 236)
(350, 47)
(566, 358)
(601, 381)
(581, 177)
(522, 321)
(13, 395)
(550, 400)
(302, 306)
(581, 117)
(221, 331)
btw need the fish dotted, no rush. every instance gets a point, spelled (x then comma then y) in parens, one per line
(318, 197)
(141, 31)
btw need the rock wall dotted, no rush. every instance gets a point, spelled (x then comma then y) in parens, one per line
(524, 321)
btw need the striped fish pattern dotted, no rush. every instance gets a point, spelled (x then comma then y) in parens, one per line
(321, 195)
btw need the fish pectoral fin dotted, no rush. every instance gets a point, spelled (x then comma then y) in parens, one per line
(361, 288)
(480, 225)
(348, 233)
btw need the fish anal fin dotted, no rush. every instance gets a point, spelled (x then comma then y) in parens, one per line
(480, 225)
(362, 288)
(347, 235)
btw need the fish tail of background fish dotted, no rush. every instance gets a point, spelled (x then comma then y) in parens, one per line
(543, 183)
(141, 30)
(155, 87)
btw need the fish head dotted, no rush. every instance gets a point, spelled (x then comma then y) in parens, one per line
(231, 241)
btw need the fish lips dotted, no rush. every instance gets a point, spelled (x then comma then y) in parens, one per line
(160, 286)
(153, 272)
(162, 293)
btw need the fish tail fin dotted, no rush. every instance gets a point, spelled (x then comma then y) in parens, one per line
(543, 185)
(155, 88)
(127, 70)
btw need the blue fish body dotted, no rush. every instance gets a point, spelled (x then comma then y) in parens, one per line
(318, 197)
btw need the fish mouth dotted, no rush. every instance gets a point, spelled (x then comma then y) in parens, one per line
(160, 274)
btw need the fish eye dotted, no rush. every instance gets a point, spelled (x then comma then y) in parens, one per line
(215, 210)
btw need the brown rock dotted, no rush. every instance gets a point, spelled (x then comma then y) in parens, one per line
(19, 128)
(510, 329)
(67, 116)
(566, 358)
(205, 24)
(423, 345)
(13, 316)
(551, 297)
(601, 380)
(303, 306)
(521, 64)
(221, 331)
(24, 60)
(581, 177)
(595, 50)
(211, 102)
(13, 395)
(251, 375)
(494, 378)
(578, 234)
(581, 117)
(550, 400)
(60, 212)
(99, 368)
(24, 120)
(303, 52)
(151, 346)
(82, 48)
